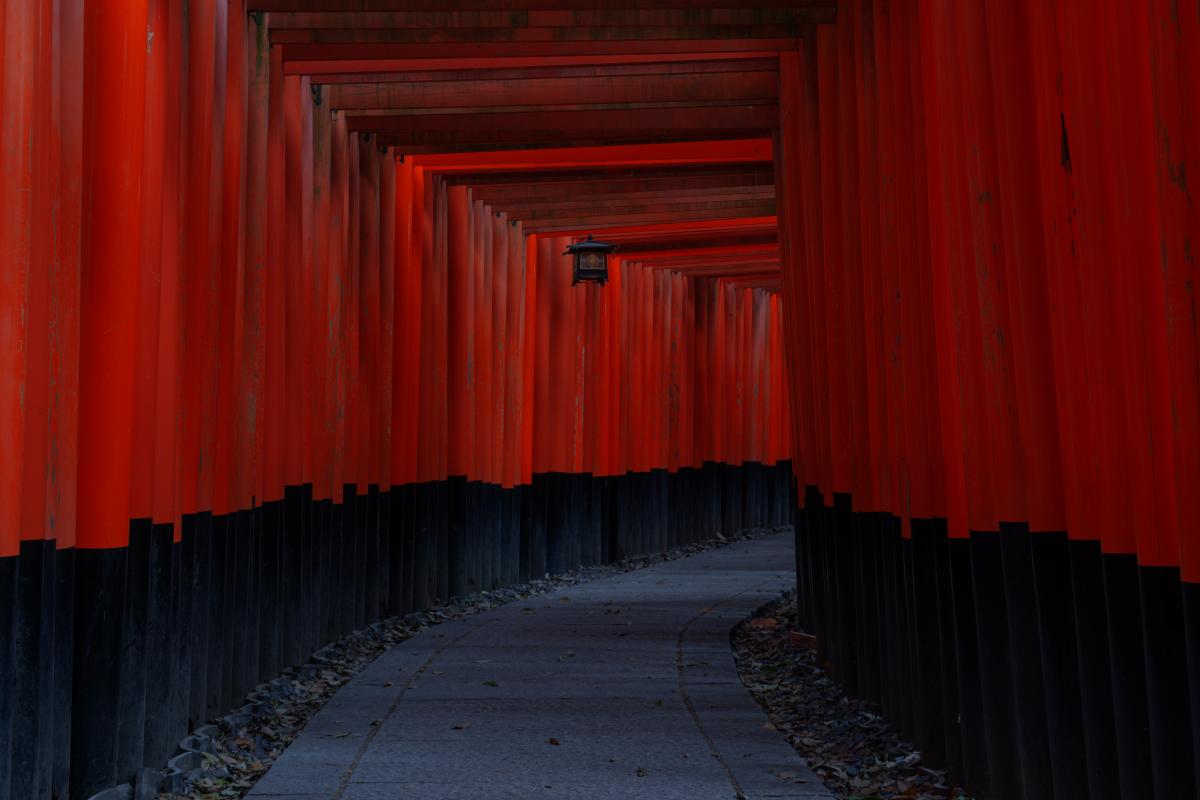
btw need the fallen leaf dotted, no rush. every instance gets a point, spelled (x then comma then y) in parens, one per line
(802, 641)
(462, 726)
(492, 684)
(553, 741)
(642, 772)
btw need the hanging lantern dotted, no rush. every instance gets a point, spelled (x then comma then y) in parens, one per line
(591, 261)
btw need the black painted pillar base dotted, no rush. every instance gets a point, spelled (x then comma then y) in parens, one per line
(99, 597)
(33, 640)
(1126, 660)
(9, 572)
(1094, 669)
(64, 670)
(460, 522)
(927, 668)
(161, 720)
(971, 725)
(1167, 683)
(1025, 663)
(1191, 616)
(1057, 643)
(109, 657)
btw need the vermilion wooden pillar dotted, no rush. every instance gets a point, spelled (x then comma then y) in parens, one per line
(408, 315)
(206, 110)
(291, 264)
(321, 358)
(252, 399)
(465, 264)
(495, 353)
(34, 248)
(370, 373)
(388, 319)
(514, 357)
(227, 493)
(1174, 67)
(33, 613)
(114, 76)
(531, 348)
(274, 388)
(64, 354)
(21, 47)
(338, 302)
(788, 149)
(481, 267)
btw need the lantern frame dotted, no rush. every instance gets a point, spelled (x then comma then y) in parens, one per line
(590, 261)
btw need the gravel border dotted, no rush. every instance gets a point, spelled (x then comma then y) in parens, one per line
(226, 757)
(852, 749)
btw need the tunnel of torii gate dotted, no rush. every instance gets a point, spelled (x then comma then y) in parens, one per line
(289, 343)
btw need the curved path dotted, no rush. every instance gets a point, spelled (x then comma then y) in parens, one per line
(623, 687)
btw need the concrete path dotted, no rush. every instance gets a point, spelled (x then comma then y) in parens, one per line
(618, 688)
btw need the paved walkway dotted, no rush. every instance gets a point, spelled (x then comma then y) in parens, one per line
(618, 688)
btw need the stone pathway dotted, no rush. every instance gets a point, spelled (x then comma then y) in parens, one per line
(618, 688)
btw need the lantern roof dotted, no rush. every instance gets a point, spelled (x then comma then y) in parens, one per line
(590, 246)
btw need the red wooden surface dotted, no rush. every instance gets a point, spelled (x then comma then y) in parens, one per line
(113, 112)
(1006, 287)
(972, 305)
(286, 318)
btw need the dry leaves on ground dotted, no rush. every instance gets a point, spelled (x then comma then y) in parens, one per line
(851, 748)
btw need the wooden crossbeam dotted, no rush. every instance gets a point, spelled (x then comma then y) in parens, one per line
(607, 16)
(823, 10)
(566, 126)
(596, 221)
(417, 97)
(635, 199)
(401, 64)
(546, 187)
(504, 70)
(329, 48)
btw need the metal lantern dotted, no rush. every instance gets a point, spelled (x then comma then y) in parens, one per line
(591, 261)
